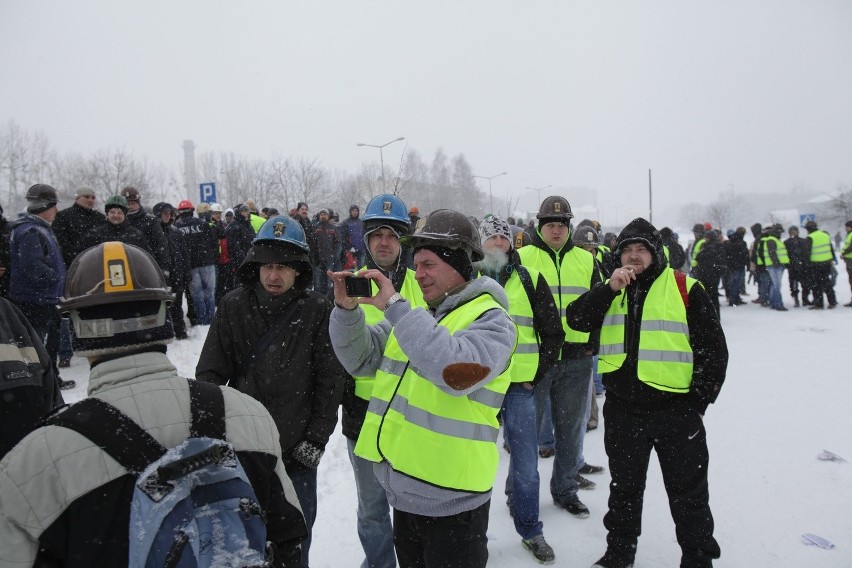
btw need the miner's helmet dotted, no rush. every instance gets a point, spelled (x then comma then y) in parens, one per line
(281, 240)
(555, 208)
(116, 298)
(449, 229)
(386, 210)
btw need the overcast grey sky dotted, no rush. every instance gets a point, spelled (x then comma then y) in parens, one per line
(754, 93)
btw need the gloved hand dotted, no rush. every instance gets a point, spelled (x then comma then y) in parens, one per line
(307, 453)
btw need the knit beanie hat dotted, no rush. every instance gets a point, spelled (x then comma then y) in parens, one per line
(492, 226)
(457, 258)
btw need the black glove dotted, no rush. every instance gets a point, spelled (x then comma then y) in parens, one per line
(307, 453)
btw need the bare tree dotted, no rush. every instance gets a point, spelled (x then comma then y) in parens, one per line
(839, 207)
(26, 159)
(310, 181)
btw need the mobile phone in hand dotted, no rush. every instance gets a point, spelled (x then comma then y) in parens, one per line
(358, 286)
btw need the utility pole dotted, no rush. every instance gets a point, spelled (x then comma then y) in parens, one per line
(650, 199)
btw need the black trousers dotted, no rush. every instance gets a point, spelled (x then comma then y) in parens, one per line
(821, 283)
(679, 438)
(457, 541)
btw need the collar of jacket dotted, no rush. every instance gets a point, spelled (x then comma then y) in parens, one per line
(137, 366)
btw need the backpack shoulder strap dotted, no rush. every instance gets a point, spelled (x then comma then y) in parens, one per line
(526, 280)
(207, 405)
(111, 430)
(680, 278)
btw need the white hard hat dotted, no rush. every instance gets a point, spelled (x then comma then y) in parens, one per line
(215, 208)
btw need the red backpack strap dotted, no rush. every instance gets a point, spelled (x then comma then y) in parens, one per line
(680, 278)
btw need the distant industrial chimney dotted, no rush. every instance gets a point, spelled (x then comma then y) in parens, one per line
(190, 180)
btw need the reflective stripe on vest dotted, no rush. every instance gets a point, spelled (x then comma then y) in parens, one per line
(525, 359)
(372, 315)
(568, 279)
(696, 248)
(665, 355)
(427, 433)
(820, 246)
(780, 251)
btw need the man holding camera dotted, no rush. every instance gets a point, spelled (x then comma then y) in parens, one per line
(440, 377)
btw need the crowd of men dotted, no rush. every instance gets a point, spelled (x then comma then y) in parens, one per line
(467, 326)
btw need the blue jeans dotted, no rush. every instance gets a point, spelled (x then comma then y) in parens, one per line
(597, 377)
(775, 272)
(305, 483)
(764, 282)
(375, 529)
(522, 481)
(569, 395)
(65, 349)
(202, 288)
(544, 414)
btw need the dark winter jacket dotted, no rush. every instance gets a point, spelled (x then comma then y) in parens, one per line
(78, 511)
(179, 257)
(28, 389)
(677, 256)
(352, 235)
(328, 245)
(310, 237)
(123, 232)
(712, 263)
(71, 226)
(297, 378)
(38, 271)
(158, 244)
(5, 260)
(202, 244)
(710, 352)
(795, 250)
(239, 235)
(736, 251)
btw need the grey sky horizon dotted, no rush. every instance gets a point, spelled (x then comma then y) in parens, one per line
(752, 96)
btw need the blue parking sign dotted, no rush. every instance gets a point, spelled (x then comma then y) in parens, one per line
(805, 217)
(208, 192)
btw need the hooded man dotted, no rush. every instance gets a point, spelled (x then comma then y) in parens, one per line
(67, 488)
(269, 339)
(818, 253)
(796, 268)
(440, 376)
(846, 254)
(540, 338)
(385, 222)
(663, 355)
(352, 235)
(736, 252)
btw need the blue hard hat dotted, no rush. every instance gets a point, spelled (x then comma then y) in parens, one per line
(386, 209)
(282, 229)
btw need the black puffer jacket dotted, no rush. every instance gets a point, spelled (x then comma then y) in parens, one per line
(239, 235)
(736, 252)
(158, 244)
(202, 244)
(297, 378)
(123, 232)
(71, 226)
(710, 351)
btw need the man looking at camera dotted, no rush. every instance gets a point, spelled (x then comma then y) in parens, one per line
(663, 357)
(440, 376)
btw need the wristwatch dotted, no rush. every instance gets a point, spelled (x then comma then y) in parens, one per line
(392, 300)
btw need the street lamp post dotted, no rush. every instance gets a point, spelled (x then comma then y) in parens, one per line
(491, 195)
(381, 155)
(538, 190)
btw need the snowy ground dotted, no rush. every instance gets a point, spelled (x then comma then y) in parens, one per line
(787, 397)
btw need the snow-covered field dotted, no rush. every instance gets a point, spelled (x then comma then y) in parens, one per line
(788, 396)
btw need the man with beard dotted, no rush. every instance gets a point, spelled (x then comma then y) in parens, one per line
(664, 357)
(540, 337)
(385, 221)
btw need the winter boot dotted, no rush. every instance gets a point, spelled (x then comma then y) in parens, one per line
(796, 300)
(539, 548)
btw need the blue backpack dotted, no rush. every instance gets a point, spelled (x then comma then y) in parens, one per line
(193, 505)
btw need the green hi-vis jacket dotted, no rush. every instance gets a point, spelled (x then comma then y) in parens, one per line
(820, 246)
(430, 434)
(665, 354)
(373, 315)
(569, 278)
